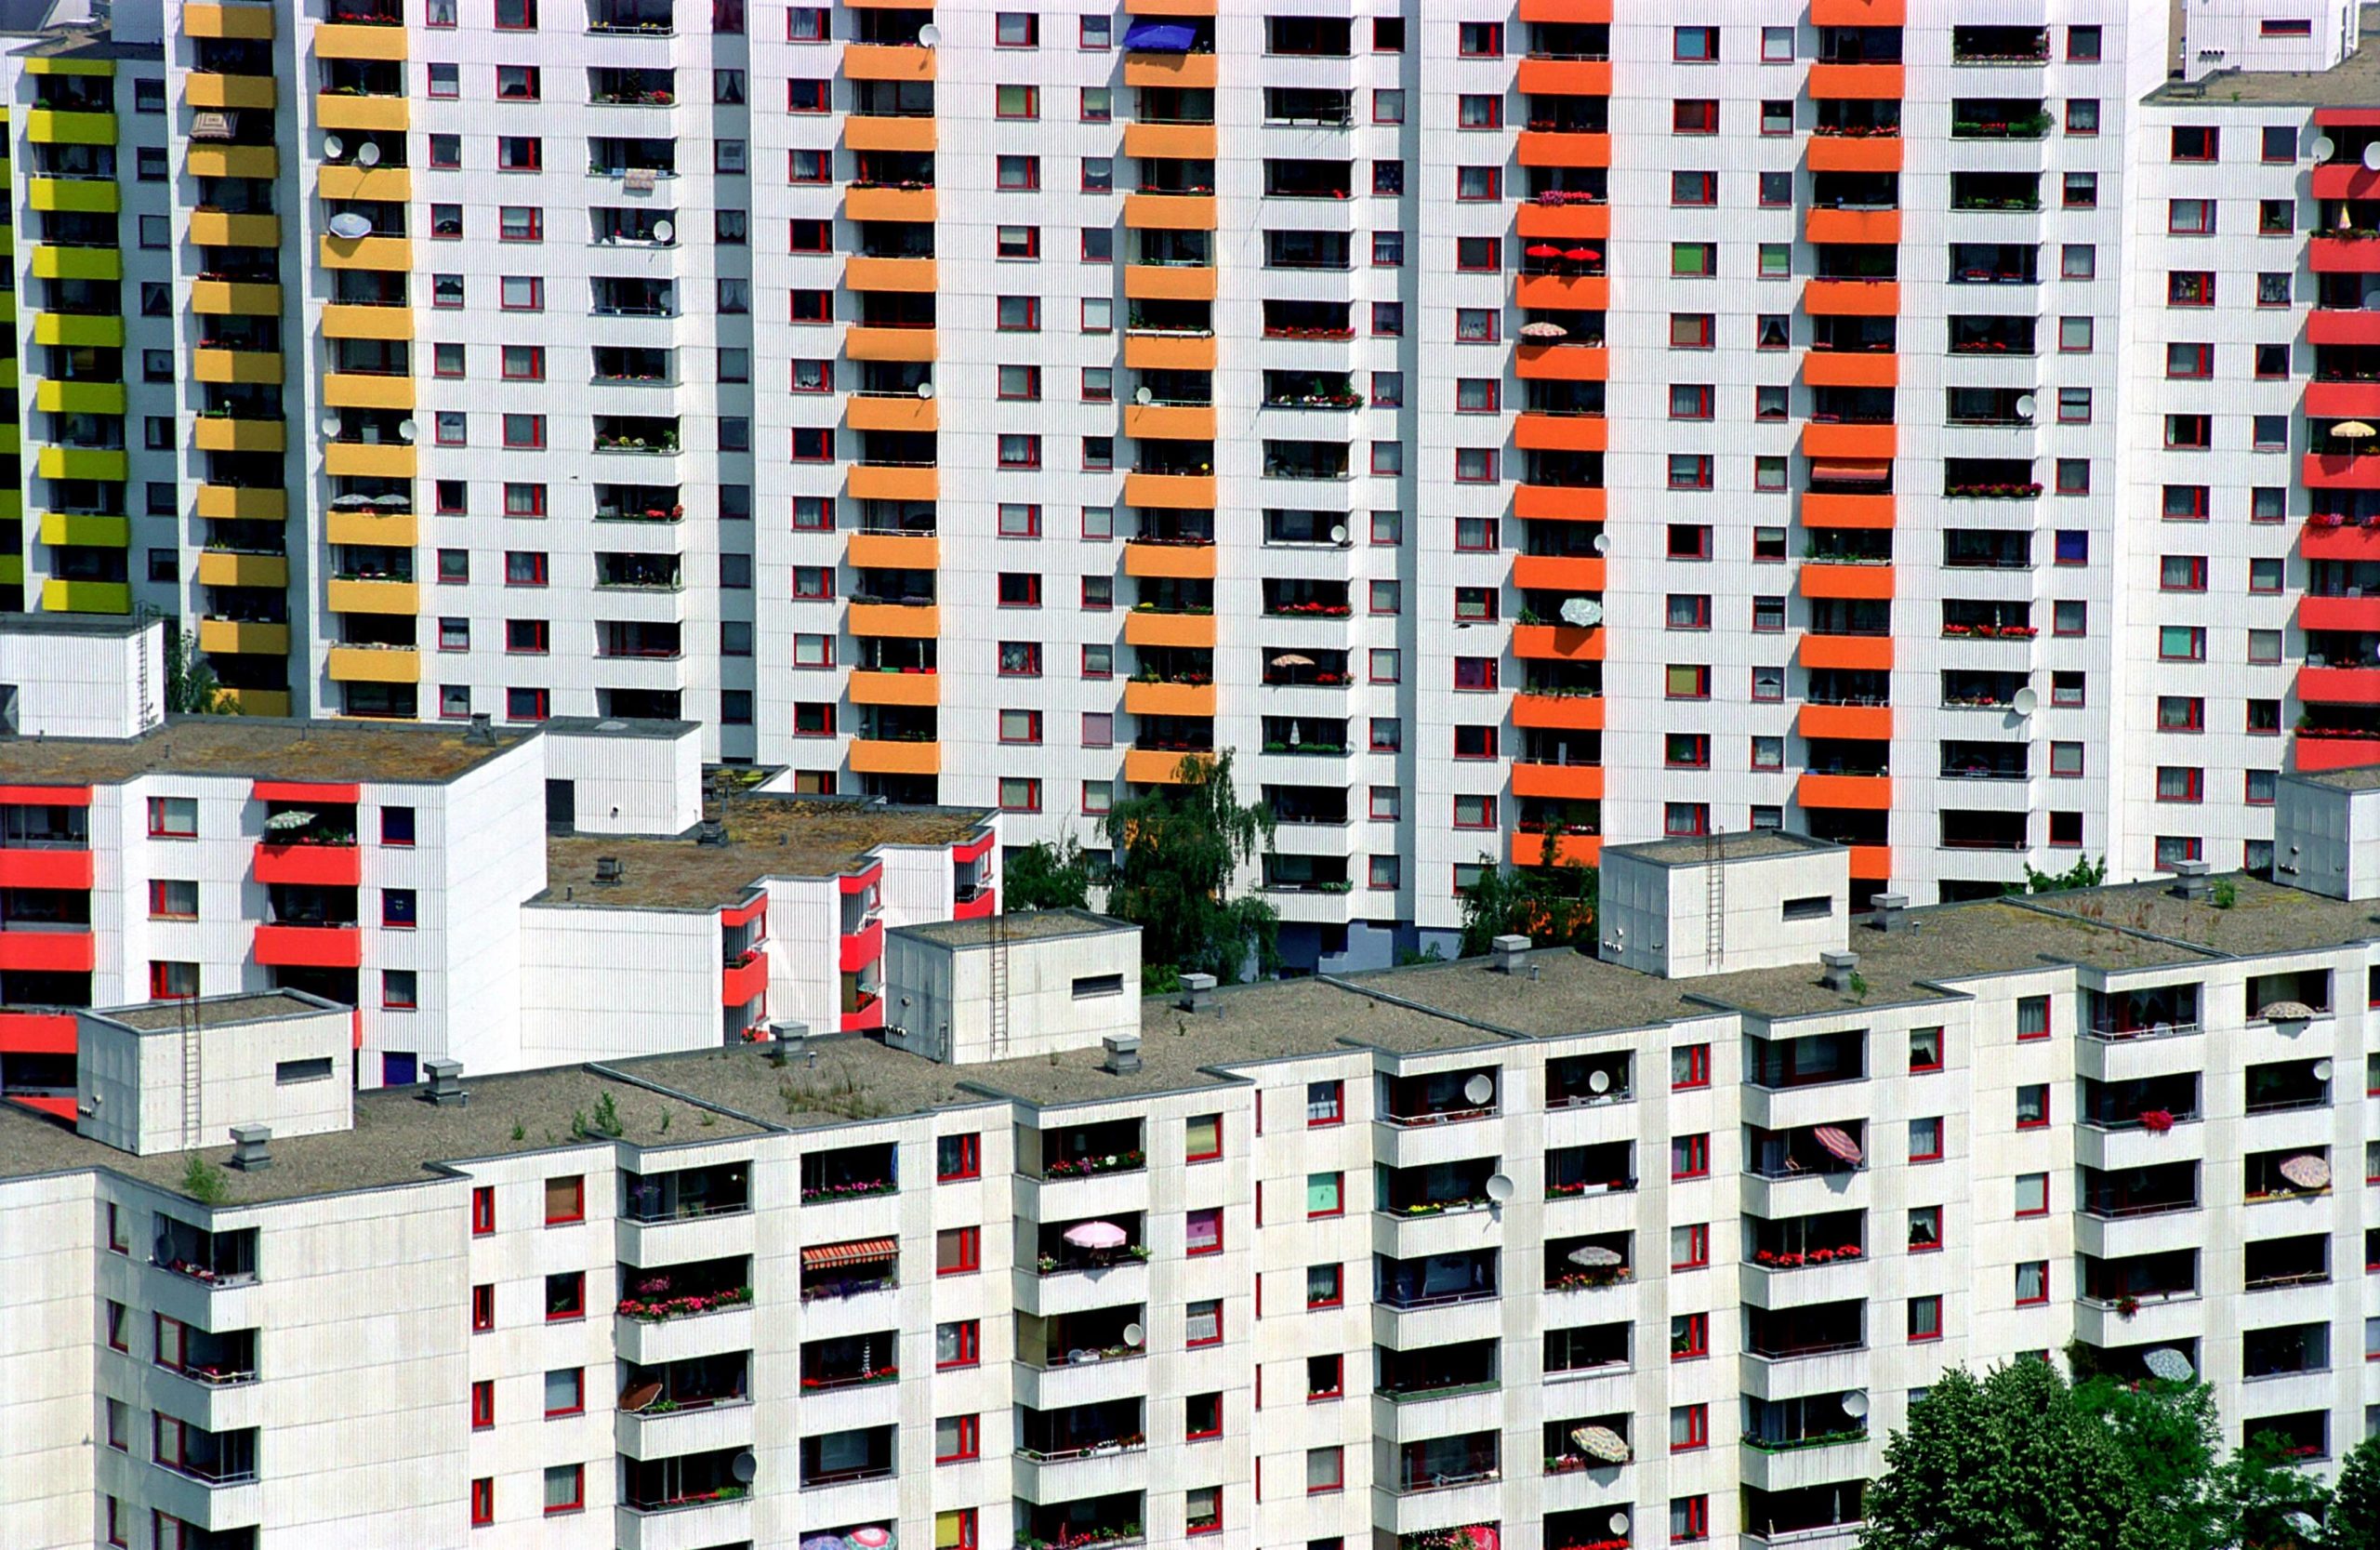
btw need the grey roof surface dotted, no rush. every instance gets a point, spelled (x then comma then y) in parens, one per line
(620, 726)
(215, 1012)
(2353, 83)
(65, 624)
(262, 748)
(2356, 777)
(767, 836)
(1030, 925)
(1744, 845)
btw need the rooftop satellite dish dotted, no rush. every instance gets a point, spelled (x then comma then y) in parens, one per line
(2025, 404)
(348, 224)
(1500, 1189)
(928, 35)
(1339, 534)
(1479, 1088)
(744, 1467)
(1583, 611)
(925, 390)
(2024, 702)
(1603, 543)
(333, 148)
(406, 430)
(368, 153)
(330, 424)
(1855, 1404)
(1598, 1081)
(2323, 148)
(1142, 395)
(2321, 1070)
(1134, 1335)
(663, 231)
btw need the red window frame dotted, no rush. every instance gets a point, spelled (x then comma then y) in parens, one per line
(1337, 1297)
(971, 1347)
(969, 1163)
(1937, 1121)
(1697, 1428)
(1697, 1247)
(1695, 1330)
(482, 1209)
(1190, 1244)
(2049, 1019)
(1188, 1156)
(1215, 1339)
(1697, 1067)
(2042, 1121)
(1338, 1115)
(574, 1283)
(971, 1439)
(2042, 1209)
(579, 1405)
(482, 1502)
(482, 1404)
(1941, 1041)
(482, 1308)
(577, 1210)
(577, 1502)
(1694, 1152)
(1924, 1318)
(2042, 1297)
(970, 1244)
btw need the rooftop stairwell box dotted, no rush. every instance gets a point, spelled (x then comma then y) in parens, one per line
(1724, 903)
(1010, 987)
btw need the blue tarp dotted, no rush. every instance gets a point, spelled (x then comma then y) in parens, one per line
(1163, 37)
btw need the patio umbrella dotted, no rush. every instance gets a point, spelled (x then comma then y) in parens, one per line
(1097, 1235)
(2306, 1170)
(873, 1537)
(1582, 255)
(2287, 1012)
(1592, 1255)
(294, 818)
(1836, 1142)
(1163, 37)
(2351, 430)
(1483, 1536)
(1291, 659)
(825, 1541)
(1542, 250)
(348, 503)
(1601, 1442)
(1543, 331)
(640, 1395)
(2167, 1363)
(394, 503)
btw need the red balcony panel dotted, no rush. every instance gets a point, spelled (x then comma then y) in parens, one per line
(1872, 861)
(310, 947)
(1552, 148)
(2346, 181)
(751, 910)
(1564, 78)
(1560, 782)
(2352, 118)
(323, 866)
(1859, 13)
(45, 796)
(984, 903)
(2342, 326)
(1548, 222)
(866, 1017)
(68, 952)
(306, 791)
(973, 850)
(2316, 754)
(1880, 81)
(2338, 613)
(1581, 11)
(741, 984)
(2339, 685)
(1537, 433)
(2342, 400)
(1871, 651)
(2343, 254)
(1846, 511)
(36, 1033)
(1590, 292)
(1868, 794)
(861, 948)
(1559, 712)
(1561, 363)
(1569, 849)
(2324, 470)
(1826, 439)
(1871, 583)
(860, 882)
(45, 868)
(1851, 298)
(1851, 368)
(2321, 542)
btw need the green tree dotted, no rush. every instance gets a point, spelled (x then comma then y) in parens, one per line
(191, 688)
(2355, 1506)
(2084, 873)
(1552, 903)
(1043, 876)
(1176, 849)
(2173, 1445)
(2011, 1462)
(2267, 1497)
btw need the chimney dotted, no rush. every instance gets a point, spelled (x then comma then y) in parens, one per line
(1123, 1053)
(445, 1082)
(1836, 969)
(1197, 993)
(1506, 953)
(711, 832)
(607, 870)
(787, 1039)
(2190, 880)
(482, 727)
(1891, 912)
(248, 1149)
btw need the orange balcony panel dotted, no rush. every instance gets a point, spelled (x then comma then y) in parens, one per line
(1564, 78)
(66, 952)
(1192, 141)
(2338, 613)
(1561, 433)
(1819, 580)
(1170, 352)
(310, 946)
(866, 483)
(1562, 362)
(2342, 326)
(1561, 782)
(2313, 755)
(1881, 80)
(889, 344)
(1589, 293)
(868, 132)
(878, 756)
(1145, 69)
(892, 552)
(1872, 723)
(890, 412)
(2343, 254)
(1855, 153)
(1168, 212)
(320, 866)
(1169, 282)
(1169, 8)
(1170, 489)
(1872, 298)
(1153, 629)
(1871, 443)
(1559, 573)
(1157, 766)
(889, 203)
(1548, 222)
(1859, 13)
(2324, 471)
(1169, 699)
(1565, 850)
(1559, 712)
(907, 621)
(1180, 422)
(1557, 503)
(882, 688)
(1871, 651)
(45, 868)
(1872, 863)
(1191, 561)
(2342, 400)
(740, 983)
(2339, 685)
(2340, 543)
(1558, 642)
(1881, 227)
(1838, 510)
(1555, 148)
(1567, 10)
(872, 62)
(918, 276)
(1868, 794)
(1849, 368)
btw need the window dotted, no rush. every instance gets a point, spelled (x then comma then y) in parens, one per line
(2082, 45)
(957, 1344)
(1325, 1286)
(565, 1295)
(482, 1404)
(482, 1308)
(1691, 331)
(1690, 1156)
(565, 1488)
(958, 1250)
(1203, 1322)
(1203, 1138)
(2032, 1106)
(1689, 1067)
(1326, 1470)
(1020, 794)
(958, 1157)
(1693, 116)
(1202, 1511)
(1924, 1049)
(2181, 643)
(2081, 115)
(173, 817)
(1687, 681)
(565, 1199)
(2279, 142)
(1689, 1337)
(1020, 314)
(2180, 783)
(1925, 1228)
(1203, 1231)
(1016, 30)
(173, 900)
(1689, 1427)
(483, 1211)
(2032, 1194)
(1694, 261)
(1925, 1140)
(2033, 1283)
(1478, 40)
(482, 1502)
(1925, 1318)
(1690, 1246)
(957, 1438)
(565, 1391)
(1324, 1104)
(1326, 1195)
(1017, 102)
(2190, 217)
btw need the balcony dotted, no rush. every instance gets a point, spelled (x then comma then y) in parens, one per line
(216, 1261)
(1443, 1464)
(685, 1195)
(1437, 1280)
(852, 1268)
(688, 1291)
(687, 1481)
(1435, 1189)
(1084, 1151)
(1085, 1431)
(847, 1173)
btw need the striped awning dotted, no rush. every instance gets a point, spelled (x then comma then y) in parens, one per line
(210, 124)
(825, 1256)
(1852, 472)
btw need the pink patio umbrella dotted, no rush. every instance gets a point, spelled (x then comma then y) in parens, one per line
(1837, 1143)
(1096, 1235)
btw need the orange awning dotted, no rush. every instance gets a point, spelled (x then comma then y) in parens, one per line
(827, 1255)
(1852, 472)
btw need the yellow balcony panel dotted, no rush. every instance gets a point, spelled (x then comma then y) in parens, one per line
(1169, 699)
(206, 18)
(389, 253)
(235, 297)
(376, 664)
(1169, 282)
(907, 621)
(236, 365)
(85, 462)
(349, 320)
(73, 328)
(1193, 142)
(233, 161)
(869, 687)
(1188, 561)
(1153, 629)
(918, 275)
(86, 597)
(350, 389)
(1145, 69)
(893, 483)
(369, 459)
(1170, 351)
(878, 756)
(258, 702)
(868, 132)
(85, 530)
(892, 552)
(205, 90)
(241, 637)
(223, 433)
(373, 529)
(335, 112)
(79, 398)
(217, 228)
(1160, 766)
(888, 204)
(889, 344)
(869, 62)
(1170, 421)
(58, 127)
(1170, 212)
(78, 195)
(390, 184)
(239, 503)
(222, 567)
(373, 596)
(1170, 489)
(890, 412)
(70, 64)
(350, 41)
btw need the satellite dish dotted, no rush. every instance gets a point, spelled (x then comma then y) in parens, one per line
(1598, 1081)
(1584, 612)
(1134, 1335)
(2024, 702)
(925, 390)
(333, 148)
(928, 35)
(368, 153)
(406, 430)
(2371, 156)
(1339, 534)
(1479, 1088)
(1603, 543)
(1500, 1189)
(2323, 148)
(744, 1467)
(348, 224)
(1142, 395)
(664, 230)
(330, 424)
(2025, 404)
(1619, 1525)
(1855, 1404)
(2321, 1070)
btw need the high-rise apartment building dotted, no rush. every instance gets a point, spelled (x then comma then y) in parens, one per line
(1504, 426)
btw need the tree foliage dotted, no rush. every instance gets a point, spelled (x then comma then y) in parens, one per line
(191, 688)
(2084, 873)
(1043, 876)
(2173, 1442)
(1176, 849)
(1553, 903)
(2354, 1521)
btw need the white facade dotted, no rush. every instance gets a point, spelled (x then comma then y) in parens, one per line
(75, 678)
(282, 1061)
